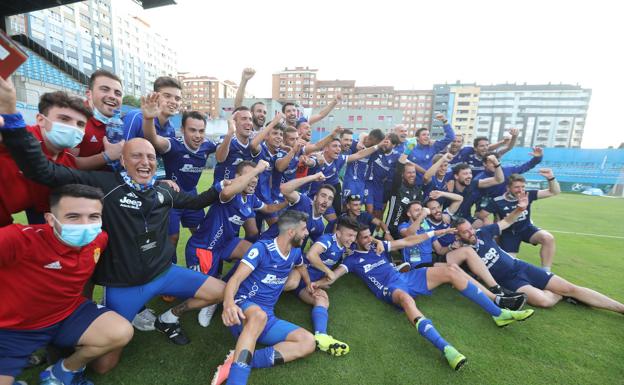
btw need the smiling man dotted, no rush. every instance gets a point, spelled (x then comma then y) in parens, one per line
(169, 102)
(137, 264)
(234, 147)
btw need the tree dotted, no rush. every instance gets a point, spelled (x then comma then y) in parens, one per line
(130, 100)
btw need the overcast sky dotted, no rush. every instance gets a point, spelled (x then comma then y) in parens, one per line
(412, 44)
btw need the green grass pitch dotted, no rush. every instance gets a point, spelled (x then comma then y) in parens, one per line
(565, 345)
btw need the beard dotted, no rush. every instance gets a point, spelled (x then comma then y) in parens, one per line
(296, 241)
(258, 122)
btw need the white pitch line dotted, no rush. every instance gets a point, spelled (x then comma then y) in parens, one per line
(588, 234)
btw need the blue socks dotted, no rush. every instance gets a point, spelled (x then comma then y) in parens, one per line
(239, 373)
(263, 358)
(477, 296)
(319, 319)
(427, 330)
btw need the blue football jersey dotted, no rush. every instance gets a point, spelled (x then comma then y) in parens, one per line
(224, 220)
(183, 165)
(375, 270)
(315, 225)
(238, 153)
(422, 252)
(505, 206)
(498, 261)
(468, 155)
(278, 178)
(330, 170)
(381, 167)
(270, 272)
(471, 195)
(263, 189)
(330, 257)
(446, 239)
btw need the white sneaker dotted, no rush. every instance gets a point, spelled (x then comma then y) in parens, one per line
(205, 315)
(403, 268)
(144, 321)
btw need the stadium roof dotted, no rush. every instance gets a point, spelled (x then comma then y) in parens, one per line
(8, 8)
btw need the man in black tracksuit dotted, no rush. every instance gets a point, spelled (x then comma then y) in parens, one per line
(136, 265)
(403, 191)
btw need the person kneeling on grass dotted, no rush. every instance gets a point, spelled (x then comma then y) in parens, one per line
(399, 288)
(43, 269)
(249, 301)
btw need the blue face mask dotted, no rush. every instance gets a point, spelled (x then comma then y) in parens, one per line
(100, 116)
(78, 235)
(64, 136)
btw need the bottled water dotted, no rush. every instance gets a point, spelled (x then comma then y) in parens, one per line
(45, 378)
(115, 128)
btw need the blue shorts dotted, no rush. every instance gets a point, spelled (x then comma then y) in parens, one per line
(275, 331)
(16, 346)
(176, 281)
(487, 204)
(314, 274)
(189, 218)
(414, 283)
(525, 274)
(353, 187)
(208, 260)
(374, 195)
(510, 241)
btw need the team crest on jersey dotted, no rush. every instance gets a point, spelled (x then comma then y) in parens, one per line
(96, 255)
(253, 253)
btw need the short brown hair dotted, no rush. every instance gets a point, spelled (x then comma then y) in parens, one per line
(166, 81)
(63, 100)
(102, 73)
(515, 178)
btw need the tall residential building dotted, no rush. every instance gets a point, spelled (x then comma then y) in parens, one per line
(464, 103)
(103, 34)
(417, 107)
(446, 100)
(79, 33)
(295, 84)
(203, 93)
(326, 90)
(141, 54)
(547, 115)
(200, 93)
(374, 97)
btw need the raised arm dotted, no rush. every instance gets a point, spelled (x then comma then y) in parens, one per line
(318, 146)
(449, 134)
(553, 185)
(223, 149)
(510, 219)
(436, 166)
(498, 177)
(241, 182)
(415, 239)
(282, 164)
(455, 199)
(248, 73)
(264, 132)
(511, 143)
(325, 111)
(111, 153)
(538, 155)
(289, 190)
(415, 225)
(362, 153)
(150, 110)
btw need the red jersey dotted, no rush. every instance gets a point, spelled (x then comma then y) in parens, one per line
(92, 142)
(42, 278)
(18, 192)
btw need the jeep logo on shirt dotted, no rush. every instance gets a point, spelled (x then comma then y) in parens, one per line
(130, 203)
